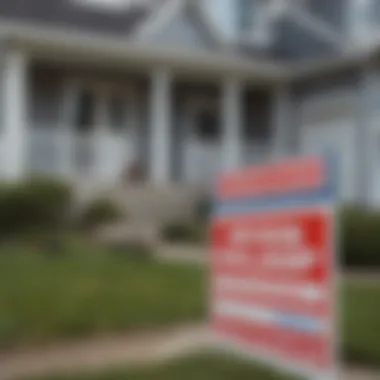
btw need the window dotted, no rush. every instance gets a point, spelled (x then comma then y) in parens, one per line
(85, 113)
(207, 126)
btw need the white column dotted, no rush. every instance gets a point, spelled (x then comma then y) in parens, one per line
(282, 123)
(15, 118)
(160, 121)
(231, 123)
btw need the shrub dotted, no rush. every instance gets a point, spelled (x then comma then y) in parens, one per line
(99, 212)
(42, 204)
(360, 237)
(184, 232)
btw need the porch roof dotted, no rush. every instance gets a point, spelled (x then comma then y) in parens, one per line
(60, 42)
(64, 44)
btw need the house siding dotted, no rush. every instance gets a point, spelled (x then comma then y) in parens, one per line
(185, 30)
(224, 14)
(328, 111)
(295, 42)
(333, 12)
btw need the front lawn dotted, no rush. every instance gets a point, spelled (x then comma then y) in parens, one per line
(44, 299)
(361, 323)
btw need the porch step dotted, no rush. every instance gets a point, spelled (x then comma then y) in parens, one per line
(148, 235)
(154, 204)
(147, 204)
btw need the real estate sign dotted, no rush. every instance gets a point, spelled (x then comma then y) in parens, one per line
(273, 263)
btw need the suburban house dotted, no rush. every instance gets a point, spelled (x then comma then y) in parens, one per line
(187, 89)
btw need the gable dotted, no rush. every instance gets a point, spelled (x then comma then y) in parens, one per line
(185, 29)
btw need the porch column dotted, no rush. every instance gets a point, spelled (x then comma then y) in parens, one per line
(160, 121)
(282, 128)
(231, 123)
(14, 99)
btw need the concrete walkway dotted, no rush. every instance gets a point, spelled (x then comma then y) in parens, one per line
(100, 354)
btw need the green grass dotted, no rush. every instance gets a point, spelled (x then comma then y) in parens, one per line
(88, 292)
(361, 323)
(46, 299)
(199, 367)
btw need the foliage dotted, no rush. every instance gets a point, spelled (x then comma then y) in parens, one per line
(360, 316)
(360, 237)
(34, 204)
(184, 232)
(89, 291)
(99, 212)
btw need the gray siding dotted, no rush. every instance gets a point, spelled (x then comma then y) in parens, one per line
(296, 43)
(334, 12)
(375, 12)
(185, 30)
(341, 81)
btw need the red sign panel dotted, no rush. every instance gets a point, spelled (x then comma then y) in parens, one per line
(273, 271)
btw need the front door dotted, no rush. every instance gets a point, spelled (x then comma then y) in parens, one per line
(117, 147)
(202, 145)
(103, 133)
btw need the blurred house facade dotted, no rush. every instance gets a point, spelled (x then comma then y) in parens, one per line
(188, 89)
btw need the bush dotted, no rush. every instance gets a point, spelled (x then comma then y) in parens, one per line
(184, 232)
(99, 212)
(360, 237)
(41, 204)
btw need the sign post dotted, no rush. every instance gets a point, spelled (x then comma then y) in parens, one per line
(273, 264)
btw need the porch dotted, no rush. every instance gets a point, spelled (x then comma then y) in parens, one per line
(89, 122)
